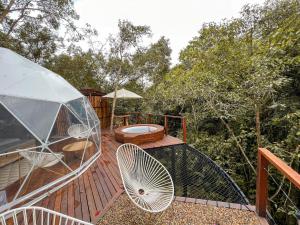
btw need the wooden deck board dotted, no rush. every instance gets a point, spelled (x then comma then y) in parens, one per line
(77, 202)
(103, 189)
(64, 200)
(83, 200)
(71, 209)
(100, 190)
(168, 140)
(91, 195)
(57, 203)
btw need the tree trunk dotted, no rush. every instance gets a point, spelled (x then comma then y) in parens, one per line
(257, 125)
(113, 108)
(6, 10)
(234, 137)
(115, 98)
(238, 144)
(250, 44)
(195, 124)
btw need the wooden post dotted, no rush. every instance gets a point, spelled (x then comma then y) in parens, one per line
(138, 118)
(149, 118)
(183, 123)
(261, 185)
(166, 124)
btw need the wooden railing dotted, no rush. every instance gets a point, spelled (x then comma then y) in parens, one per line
(265, 157)
(124, 118)
(149, 118)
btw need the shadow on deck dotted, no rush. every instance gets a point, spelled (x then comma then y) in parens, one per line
(93, 193)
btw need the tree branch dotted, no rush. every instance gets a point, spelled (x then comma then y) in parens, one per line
(16, 21)
(6, 10)
(238, 144)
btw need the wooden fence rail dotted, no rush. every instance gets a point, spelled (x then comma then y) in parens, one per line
(265, 157)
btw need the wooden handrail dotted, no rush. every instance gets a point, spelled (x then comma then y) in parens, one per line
(265, 157)
(280, 165)
(176, 117)
(152, 114)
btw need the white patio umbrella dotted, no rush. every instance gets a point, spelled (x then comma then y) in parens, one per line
(122, 93)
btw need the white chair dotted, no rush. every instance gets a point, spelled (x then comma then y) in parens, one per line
(78, 131)
(42, 159)
(146, 181)
(37, 215)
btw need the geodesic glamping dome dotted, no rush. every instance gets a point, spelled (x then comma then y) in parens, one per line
(49, 133)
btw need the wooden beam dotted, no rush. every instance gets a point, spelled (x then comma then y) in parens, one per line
(261, 185)
(282, 167)
(265, 157)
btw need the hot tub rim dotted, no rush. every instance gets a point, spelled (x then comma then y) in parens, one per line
(139, 138)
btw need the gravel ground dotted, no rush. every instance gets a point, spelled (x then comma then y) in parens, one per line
(125, 212)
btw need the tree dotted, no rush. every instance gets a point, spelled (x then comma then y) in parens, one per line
(36, 29)
(238, 84)
(153, 62)
(80, 68)
(16, 13)
(122, 48)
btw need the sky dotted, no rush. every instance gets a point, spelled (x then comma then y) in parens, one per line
(179, 21)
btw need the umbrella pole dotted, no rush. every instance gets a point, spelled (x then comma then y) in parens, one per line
(113, 109)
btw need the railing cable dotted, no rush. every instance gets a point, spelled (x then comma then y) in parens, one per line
(297, 211)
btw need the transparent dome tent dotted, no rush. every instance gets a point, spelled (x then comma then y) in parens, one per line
(49, 133)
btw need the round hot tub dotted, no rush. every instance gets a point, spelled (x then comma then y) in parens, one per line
(139, 133)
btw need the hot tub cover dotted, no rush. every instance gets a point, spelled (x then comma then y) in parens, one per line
(37, 108)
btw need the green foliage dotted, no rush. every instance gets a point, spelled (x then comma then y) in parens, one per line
(153, 62)
(238, 85)
(15, 14)
(129, 63)
(33, 28)
(80, 68)
(122, 48)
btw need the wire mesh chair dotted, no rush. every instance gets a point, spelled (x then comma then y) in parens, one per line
(147, 182)
(37, 215)
(78, 131)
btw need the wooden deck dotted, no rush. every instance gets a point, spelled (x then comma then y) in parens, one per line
(93, 193)
(168, 140)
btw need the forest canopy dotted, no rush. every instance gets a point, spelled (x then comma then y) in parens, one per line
(237, 81)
